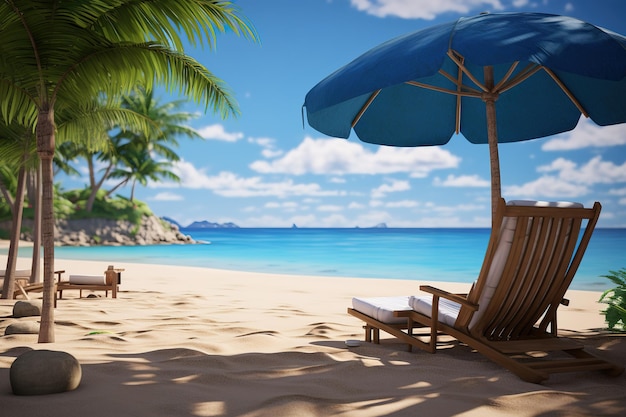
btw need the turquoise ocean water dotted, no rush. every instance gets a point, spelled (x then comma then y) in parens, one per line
(411, 254)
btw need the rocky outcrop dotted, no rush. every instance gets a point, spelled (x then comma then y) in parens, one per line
(89, 232)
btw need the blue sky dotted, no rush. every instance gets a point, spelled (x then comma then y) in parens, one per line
(265, 169)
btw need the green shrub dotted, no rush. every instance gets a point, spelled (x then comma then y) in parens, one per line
(71, 205)
(116, 208)
(615, 298)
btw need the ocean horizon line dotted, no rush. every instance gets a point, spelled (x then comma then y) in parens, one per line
(362, 227)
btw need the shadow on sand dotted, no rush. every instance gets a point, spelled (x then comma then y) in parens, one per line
(324, 379)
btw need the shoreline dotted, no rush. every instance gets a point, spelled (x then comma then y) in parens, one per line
(588, 278)
(364, 286)
(192, 341)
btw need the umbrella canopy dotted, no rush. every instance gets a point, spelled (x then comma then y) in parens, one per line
(493, 78)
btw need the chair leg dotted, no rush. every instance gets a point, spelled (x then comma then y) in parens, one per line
(409, 330)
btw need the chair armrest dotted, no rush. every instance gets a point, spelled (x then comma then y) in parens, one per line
(457, 298)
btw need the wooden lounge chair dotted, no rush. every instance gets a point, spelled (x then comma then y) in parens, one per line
(108, 281)
(509, 315)
(23, 286)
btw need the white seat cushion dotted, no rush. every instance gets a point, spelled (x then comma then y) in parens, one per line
(88, 279)
(448, 310)
(382, 308)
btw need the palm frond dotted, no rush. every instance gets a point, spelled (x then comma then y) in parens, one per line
(16, 105)
(165, 21)
(152, 63)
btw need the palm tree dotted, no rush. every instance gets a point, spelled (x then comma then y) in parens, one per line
(90, 126)
(139, 166)
(16, 145)
(130, 152)
(59, 54)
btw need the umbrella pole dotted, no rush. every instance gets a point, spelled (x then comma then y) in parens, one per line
(490, 98)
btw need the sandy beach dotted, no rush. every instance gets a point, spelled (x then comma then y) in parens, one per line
(181, 341)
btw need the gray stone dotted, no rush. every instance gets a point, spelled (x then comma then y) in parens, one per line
(27, 308)
(40, 372)
(22, 327)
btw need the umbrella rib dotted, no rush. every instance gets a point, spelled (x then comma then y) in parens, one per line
(365, 107)
(567, 91)
(526, 73)
(445, 90)
(506, 76)
(459, 83)
(453, 56)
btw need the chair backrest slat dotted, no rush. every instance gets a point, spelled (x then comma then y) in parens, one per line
(521, 293)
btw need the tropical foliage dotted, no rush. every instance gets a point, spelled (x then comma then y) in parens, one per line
(60, 55)
(130, 153)
(615, 299)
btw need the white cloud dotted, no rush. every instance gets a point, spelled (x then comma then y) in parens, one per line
(217, 132)
(596, 171)
(269, 146)
(167, 196)
(285, 205)
(424, 9)
(566, 179)
(618, 192)
(356, 206)
(587, 135)
(263, 142)
(269, 153)
(330, 208)
(450, 210)
(402, 204)
(340, 157)
(462, 181)
(547, 186)
(391, 187)
(229, 184)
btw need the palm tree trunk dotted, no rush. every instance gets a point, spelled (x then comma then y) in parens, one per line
(45, 149)
(112, 190)
(8, 287)
(132, 191)
(95, 187)
(6, 194)
(35, 274)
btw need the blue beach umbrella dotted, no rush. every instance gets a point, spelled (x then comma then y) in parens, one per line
(493, 78)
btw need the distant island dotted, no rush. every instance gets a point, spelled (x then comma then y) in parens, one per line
(202, 224)
(210, 225)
